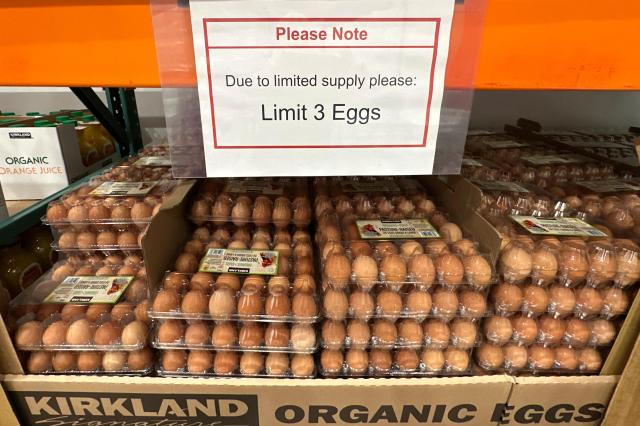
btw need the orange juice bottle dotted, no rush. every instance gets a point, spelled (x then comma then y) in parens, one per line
(88, 151)
(101, 138)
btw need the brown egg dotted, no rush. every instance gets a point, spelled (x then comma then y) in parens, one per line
(39, 362)
(380, 360)
(166, 301)
(357, 360)
(224, 334)
(566, 358)
(302, 365)
(331, 361)
(394, 269)
(433, 359)
(406, 359)
(589, 360)
(89, 361)
(251, 363)
(85, 271)
(334, 247)
(62, 272)
(135, 333)
(507, 298)
(250, 302)
(304, 283)
(628, 261)
(278, 284)
(561, 300)
(303, 337)
(525, 329)
(278, 304)
(360, 248)
(56, 212)
(333, 334)
(94, 312)
(436, 247)
(385, 248)
(175, 281)
(67, 239)
(104, 239)
(55, 334)
(463, 333)
(114, 361)
(64, 361)
(422, 269)
(222, 303)
(128, 239)
(229, 281)
(616, 302)
(588, 301)
(411, 248)
(365, 270)
(303, 305)
(80, 332)
(78, 214)
(515, 356)
(358, 333)
(450, 232)
(141, 311)
(603, 332)
(194, 302)
(445, 303)
(602, 262)
(418, 303)
(277, 364)
(277, 335)
(389, 303)
(410, 332)
(472, 304)
(498, 329)
(29, 334)
(136, 291)
(71, 311)
(535, 299)
(197, 333)
(202, 281)
(251, 335)
(541, 358)
(449, 269)
(335, 304)
(489, 356)
(186, 262)
(384, 332)
(577, 332)
(464, 247)
(551, 329)
(122, 310)
(456, 359)
(139, 360)
(107, 333)
(477, 270)
(254, 283)
(337, 270)
(573, 262)
(544, 264)
(515, 263)
(173, 360)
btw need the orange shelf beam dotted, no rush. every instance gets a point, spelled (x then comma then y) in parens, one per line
(526, 44)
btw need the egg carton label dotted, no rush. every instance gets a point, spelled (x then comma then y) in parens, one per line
(548, 160)
(153, 161)
(88, 290)
(254, 262)
(504, 144)
(254, 186)
(124, 188)
(396, 229)
(565, 226)
(496, 185)
(353, 187)
(608, 186)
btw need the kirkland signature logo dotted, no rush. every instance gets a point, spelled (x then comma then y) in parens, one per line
(19, 135)
(129, 409)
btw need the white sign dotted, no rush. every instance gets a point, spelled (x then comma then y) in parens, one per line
(336, 87)
(31, 162)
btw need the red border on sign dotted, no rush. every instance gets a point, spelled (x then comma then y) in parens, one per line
(205, 21)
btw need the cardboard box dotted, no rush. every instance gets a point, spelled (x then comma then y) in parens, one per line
(624, 408)
(252, 402)
(36, 162)
(6, 411)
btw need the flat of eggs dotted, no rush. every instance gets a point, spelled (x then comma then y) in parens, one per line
(138, 362)
(235, 336)
(99, 238)
(205, 296)
(395, 362)
(178, 362)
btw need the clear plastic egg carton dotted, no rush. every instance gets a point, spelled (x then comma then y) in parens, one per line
(503, 198)
(156, 149)
(230, 297)
(131, 173)
(558, 301)
(81, 209)
(98, 238)
(147, 160)
(235, 336)
(549, 331)
(538, 360)
(395, 362)
(412, 302)
(277, 201)
(570, 261)
(475, 167)
(134, 363)
(202, 363)
(400, 263)
(295, 251)
(461, 333)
